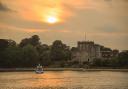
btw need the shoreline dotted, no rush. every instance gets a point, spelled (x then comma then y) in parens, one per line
(58, 69)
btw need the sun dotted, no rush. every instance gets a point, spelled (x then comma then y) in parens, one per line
(52, 19)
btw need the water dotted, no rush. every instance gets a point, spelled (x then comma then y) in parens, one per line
(64, 80)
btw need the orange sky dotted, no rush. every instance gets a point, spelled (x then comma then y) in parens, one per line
(104, 21)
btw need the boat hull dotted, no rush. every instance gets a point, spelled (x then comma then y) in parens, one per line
(39, 72)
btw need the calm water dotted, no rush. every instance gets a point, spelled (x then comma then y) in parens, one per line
(64, 80)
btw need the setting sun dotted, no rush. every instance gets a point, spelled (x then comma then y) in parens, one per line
(51, 19)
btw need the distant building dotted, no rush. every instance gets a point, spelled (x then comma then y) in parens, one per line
(86, 51)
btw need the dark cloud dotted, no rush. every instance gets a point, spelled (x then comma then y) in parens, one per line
(4, 7)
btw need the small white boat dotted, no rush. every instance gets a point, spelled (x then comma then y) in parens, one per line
(39, 69)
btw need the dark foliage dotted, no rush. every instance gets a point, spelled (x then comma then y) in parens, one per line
(30, 52)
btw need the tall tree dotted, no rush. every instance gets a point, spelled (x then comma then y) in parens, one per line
(44, 54)
(59, 51)
(30, 56)
(13, 57)
(3, 44)
(11, 43)
(24, 42)
(34, 40)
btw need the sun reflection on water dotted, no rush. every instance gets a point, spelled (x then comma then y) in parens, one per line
(64, 80)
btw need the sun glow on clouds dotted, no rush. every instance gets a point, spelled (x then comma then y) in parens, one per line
(52, 19)
(51, 15)
(44, 10)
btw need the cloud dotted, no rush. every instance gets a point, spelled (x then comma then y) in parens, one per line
(4, 7)
(27, 24)
(104, 21)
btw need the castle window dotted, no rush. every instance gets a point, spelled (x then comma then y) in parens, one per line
(88, 60)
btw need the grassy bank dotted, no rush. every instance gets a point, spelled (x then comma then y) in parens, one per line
(58, 69)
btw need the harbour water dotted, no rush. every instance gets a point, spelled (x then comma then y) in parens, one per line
(64, 80)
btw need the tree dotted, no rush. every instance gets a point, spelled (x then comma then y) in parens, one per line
(34, 40)
(97, 62)
(12, 57)
(42, 48)
(59, 51)
(45, 59)
(11, 43)
(30, 56)
(123, 59)
(3, 44)
(44, 54)
(24, 42)
(114, 62)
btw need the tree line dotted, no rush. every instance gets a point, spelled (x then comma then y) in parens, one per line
(121, 61)
(30, 52)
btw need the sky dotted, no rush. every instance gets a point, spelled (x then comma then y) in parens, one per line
(104, 21)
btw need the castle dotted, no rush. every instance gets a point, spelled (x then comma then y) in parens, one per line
(87, 51)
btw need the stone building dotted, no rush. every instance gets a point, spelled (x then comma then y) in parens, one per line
(86, 51)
